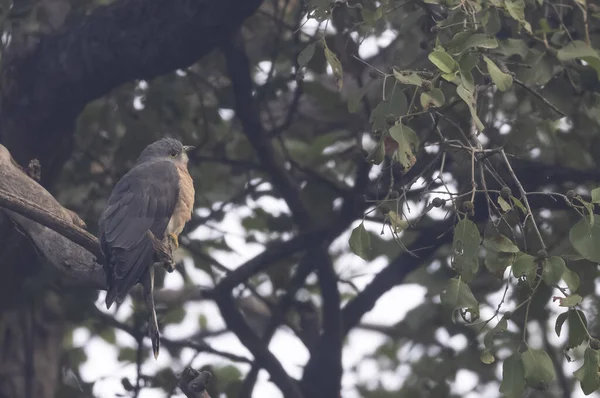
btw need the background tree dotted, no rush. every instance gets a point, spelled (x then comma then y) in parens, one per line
(456, 141)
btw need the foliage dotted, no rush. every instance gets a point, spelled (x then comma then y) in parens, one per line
(462, 149)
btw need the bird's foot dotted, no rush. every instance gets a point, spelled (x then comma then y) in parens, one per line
(163, 252)
(174, 240)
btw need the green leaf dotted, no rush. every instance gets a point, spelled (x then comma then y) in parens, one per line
(518, 204)
(360, 241)
(500, 243)
(465, 248)
(538, 368)
(571, 279)
(504, 205)
(554, 268)
(487, 357)
(577, 328)
(443, 61)
(127, 354)
(587, 374)
(396, 105)
(457, 295)
(108, 334)
(571, 301)
(306, 55)
(408, 142)
(513, 379)
(174, 315)
(397, 222)
(502, 80)
(497, 262)
(596, 195)
(408, 77)
(355, 98)
(467, 96)
(523, 264)
(480, 40)
(560, 320)
(466, 79)
(580, 50)
(516, 9)
(433, 98)
(500, 328)
(585, 238)
(335, 64)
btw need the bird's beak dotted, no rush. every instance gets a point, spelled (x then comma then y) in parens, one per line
(187, 148)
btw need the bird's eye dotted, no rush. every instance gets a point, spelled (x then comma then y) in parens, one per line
(173, 154)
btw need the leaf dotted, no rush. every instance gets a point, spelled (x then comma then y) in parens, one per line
(355, 98)
(587, 374)
(497, 262)
(570, 301)
(516, 9)
(408, 142)
(523, 264)
(127, 354)
(457, 295)
(500, 243)
(480, 40)
(577, 328)
(467, 96)
(560, 320)
(466, 79)
(434, 98)
(580, 50)
(397, 222)
(596, 195)
(335, 64)
(443, 61)
(500, 327)
(465, 248)
(396, 105)
(585, 238)
(538, 368)
(487, 357)
(408, 77)
(503, 204)
(571, 279)
(502, 80)
(518, 204)
(554, 268)
(360, 242)
(513, 379)
(306, 55)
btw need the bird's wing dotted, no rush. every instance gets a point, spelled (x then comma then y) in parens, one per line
(143, 200)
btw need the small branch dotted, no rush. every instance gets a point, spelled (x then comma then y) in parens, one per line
(540, 97)
(524, 196)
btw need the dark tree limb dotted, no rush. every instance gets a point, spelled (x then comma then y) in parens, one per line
(236, 323)
(118, 43)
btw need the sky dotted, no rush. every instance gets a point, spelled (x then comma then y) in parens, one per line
(102, 364)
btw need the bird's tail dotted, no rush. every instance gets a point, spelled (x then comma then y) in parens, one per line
(148, 285)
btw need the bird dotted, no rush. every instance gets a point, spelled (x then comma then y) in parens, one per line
(141, 222)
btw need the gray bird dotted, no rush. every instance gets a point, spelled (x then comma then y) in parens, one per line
(142, 220)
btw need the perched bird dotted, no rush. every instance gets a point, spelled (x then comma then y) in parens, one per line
(142, 220)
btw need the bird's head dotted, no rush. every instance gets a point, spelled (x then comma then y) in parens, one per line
(166, 148)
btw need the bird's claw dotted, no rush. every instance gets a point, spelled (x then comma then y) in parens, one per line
(174, 240)
(163, 251)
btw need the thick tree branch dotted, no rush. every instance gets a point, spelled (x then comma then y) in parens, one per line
(118, 43)
(236, 323)
(238, 67)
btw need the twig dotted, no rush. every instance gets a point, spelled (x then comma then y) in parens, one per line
(539, 96)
